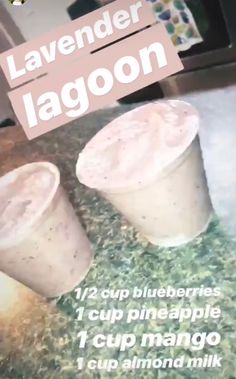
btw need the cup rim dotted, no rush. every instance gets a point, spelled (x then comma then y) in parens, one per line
(9, 177)
(135, 186)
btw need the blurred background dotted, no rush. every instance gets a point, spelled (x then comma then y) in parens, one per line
(204, 32)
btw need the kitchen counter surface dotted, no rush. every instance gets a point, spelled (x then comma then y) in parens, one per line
(123, 259)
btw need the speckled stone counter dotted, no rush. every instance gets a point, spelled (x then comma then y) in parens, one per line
(123, 259)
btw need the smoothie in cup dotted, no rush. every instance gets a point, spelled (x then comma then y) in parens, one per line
(148, 164)
(42, 244)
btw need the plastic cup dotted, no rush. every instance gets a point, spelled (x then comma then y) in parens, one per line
(15, 301)
(42, 243)
(155, 178)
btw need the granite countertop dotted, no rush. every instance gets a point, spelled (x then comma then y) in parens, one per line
(123, 259)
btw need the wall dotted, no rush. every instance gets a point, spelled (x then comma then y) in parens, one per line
(38, 16)
(10, 36)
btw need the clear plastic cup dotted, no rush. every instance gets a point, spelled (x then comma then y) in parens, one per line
(15, 300)
(42, 243)
(156, 177)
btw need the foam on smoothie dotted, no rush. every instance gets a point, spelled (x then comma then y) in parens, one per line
(135, 147)
(23, 193)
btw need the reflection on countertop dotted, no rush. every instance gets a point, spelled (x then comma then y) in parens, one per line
(210, 78)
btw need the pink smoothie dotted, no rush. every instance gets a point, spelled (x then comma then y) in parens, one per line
(134, 148)
(42, 243)
(23, 198)
(148, 164)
